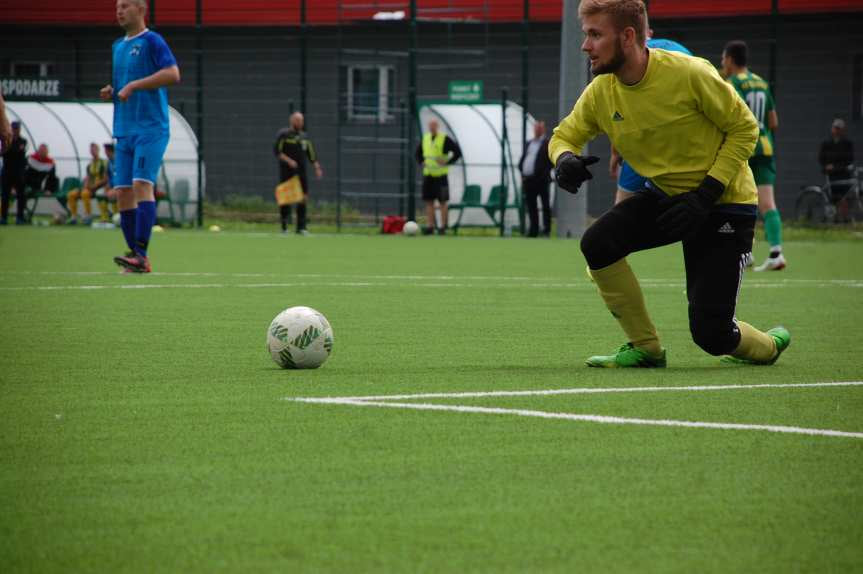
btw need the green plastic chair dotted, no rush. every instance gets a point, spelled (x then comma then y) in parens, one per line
(472, 197)
(68, 185)
(492, 206)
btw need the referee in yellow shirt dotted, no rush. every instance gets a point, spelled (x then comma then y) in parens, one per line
(680, 125)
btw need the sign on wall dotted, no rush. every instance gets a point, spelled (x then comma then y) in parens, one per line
(31, 88)
(462, 91)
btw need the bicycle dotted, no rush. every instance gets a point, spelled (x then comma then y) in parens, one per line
(816, 205)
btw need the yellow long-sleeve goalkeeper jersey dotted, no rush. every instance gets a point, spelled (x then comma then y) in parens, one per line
(682, 121)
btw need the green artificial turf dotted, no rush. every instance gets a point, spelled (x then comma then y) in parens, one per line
(144, 427)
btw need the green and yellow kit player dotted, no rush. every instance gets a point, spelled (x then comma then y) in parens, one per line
(756, 93)
(97, 177)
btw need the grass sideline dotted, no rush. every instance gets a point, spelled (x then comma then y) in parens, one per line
(143, 426)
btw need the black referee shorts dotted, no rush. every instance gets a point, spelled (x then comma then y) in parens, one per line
(435, 188)
(714, 257)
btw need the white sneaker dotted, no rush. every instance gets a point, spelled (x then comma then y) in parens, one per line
(286, 231)
(304, 232)
(772, 264)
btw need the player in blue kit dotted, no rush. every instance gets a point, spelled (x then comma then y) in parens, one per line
(143, 66)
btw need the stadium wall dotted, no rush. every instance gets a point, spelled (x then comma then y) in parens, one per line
(251, 76)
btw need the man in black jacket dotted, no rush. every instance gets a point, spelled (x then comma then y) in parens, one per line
(14, 164)
(836, 156)
(536, 170)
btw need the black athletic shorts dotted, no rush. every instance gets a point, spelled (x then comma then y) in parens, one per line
(714, 257)
(435, 188)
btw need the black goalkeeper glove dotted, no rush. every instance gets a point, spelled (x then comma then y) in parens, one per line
(683, 214)
(571, 170)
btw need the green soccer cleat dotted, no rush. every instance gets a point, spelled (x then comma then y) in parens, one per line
(630, 356)
(782, 338)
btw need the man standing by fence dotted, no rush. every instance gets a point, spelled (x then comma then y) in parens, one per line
(14, 165)
(293, 148)
(436, 153)
(536, 170)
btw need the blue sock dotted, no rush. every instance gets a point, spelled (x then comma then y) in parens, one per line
(127, 224)
(144, 225)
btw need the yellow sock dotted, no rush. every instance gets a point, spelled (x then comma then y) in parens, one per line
(87, 196)
(622, 295)
(754, 345)
(103, 211)
(72, 199)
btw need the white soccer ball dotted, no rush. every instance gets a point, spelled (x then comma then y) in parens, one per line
(300, 338)
(116, 219)
(411, 228)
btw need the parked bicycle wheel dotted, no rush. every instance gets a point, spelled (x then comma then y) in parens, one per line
(813, 208)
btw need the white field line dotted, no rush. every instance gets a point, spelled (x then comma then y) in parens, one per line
(603, 419)
(366, 284)
(575, 391)
(543, 281)
(389, 401)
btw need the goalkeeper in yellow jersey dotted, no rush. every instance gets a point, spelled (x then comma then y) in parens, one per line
(681, 126)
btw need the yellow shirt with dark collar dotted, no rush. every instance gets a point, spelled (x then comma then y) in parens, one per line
(681, 122)
(97, 170)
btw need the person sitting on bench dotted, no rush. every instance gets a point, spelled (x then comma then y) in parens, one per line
(96, 179)
(40, 175)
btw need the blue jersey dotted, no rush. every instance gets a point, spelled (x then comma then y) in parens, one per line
(669, 45)
(146, 111)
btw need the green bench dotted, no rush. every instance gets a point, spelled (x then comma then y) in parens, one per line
(472, 198)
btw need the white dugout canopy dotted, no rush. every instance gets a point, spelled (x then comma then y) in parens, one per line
(68, 128)
(477, 128)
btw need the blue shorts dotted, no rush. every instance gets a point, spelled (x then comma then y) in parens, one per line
(629, 180)
(138, 157)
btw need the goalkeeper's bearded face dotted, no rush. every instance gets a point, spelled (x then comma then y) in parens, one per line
(603, 44)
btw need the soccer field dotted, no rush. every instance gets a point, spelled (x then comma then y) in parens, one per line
(144, 427)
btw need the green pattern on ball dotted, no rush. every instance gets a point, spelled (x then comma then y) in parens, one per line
(328, 344)
(279, 332)
(306, 338)
(286, 360)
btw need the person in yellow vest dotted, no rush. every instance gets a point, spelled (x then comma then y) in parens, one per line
(96, 178)
(436, 153)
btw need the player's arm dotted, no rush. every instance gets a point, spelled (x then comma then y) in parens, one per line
(576, 129)
(5, 127)
(823, 161)
(614, 163)
(684, 213)
(287, 159)
(313, 158)
(719, 101)
(164, 77)
(772, 120)
(569, 138)
(101, 181)
(451, 148)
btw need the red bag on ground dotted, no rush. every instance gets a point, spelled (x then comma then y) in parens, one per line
(393, 224)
